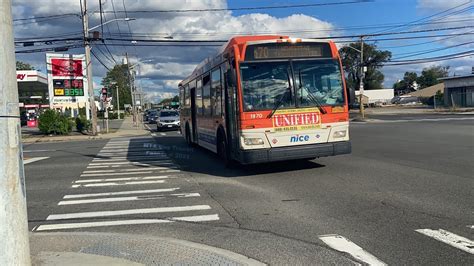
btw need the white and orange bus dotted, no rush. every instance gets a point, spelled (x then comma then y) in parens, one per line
(268, 98)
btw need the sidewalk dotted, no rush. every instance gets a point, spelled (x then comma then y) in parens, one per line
(126, 129)
(77, 248)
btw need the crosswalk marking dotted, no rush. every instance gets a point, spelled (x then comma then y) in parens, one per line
(137, 164)
(126, 158)
(126, 212)
(32, 160)
(125, 170)
(125, 163)
(129, 173)
(105, 194)
(343, 244)
(133, 198)
(108, 184)
(122, 179)
(196, 218)
(449, 238)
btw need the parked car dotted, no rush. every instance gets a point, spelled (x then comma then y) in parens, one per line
(152, 116)
(167, 119)
(405, 100)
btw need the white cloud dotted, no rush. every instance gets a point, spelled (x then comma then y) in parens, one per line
(441, 4)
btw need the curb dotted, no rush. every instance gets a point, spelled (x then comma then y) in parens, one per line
(72, 248)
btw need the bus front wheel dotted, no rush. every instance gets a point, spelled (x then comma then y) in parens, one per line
(188, 135)
(223, 151)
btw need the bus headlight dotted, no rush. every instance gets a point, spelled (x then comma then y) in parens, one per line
(253, 141)
(339, 134)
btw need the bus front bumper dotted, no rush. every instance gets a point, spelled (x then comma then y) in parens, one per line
(294, 152)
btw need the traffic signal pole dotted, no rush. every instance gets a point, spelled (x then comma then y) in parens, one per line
(14, 243)
(361, 81)
(90, 80)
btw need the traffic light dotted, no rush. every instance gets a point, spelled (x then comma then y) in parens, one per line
(104, 94)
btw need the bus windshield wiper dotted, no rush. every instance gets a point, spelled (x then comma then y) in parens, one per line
(310, 95)
(283, 96)
(279, 103)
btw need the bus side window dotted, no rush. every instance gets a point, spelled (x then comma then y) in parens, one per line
(216, 92)
(181, 95)
(199, 97)
(186, 102)
(206, 95)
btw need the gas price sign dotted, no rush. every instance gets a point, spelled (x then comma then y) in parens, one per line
(68, 87)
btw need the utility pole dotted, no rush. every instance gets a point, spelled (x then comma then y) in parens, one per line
(118, 101)
(132, 91)
(361, 81)
(14, 243)
(90, 81)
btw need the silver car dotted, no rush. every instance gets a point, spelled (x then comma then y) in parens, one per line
(167, 119)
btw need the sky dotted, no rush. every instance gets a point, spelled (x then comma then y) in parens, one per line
(161, 68)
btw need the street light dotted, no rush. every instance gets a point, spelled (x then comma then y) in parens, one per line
(87, 47)
(112, 20)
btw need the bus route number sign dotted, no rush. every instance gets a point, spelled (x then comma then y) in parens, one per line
(287, 50)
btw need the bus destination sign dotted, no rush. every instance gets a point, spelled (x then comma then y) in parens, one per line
(287, 50)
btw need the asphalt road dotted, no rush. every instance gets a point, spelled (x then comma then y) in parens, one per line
(405, 174)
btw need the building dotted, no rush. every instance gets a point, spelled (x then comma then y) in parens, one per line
(32, 89)
(459, 91)
(427, 92)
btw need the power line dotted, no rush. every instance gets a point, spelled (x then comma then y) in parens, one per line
(145, 34)
(430, 59)
(47, 17)
(452, 36)
(418, 20)
(100, 61)
(433, 50)
(246, 8)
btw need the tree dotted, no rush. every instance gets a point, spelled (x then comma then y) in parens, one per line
(429, 76)
(373, 60)
(23, 66)
(407, 84)
(118, 76)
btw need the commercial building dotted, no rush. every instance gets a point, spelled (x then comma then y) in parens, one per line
(459, 91)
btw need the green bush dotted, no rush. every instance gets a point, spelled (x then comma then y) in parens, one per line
(82, 124)
(52, 122)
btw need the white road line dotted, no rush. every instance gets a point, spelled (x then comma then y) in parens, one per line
(141, 165)
(424, 120)
(153, 134)
(471, 226)
(130, 173)
(115, 199)
(449, 238)
(343, 244)
(126, 212)
(126, 170)
(128, 162)
(32, 160)
(105, 194)
(108, 184)
(163, 134)
(196, 218)
(38, 150)
(128, 150)
(127, 158)
(122, 179)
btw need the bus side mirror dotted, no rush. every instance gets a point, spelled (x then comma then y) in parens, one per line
(351, 96)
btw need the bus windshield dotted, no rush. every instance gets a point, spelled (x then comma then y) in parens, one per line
(265, 85)
(313, 82)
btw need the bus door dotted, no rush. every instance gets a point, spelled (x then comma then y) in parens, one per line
(193, 114)
(230, 113)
